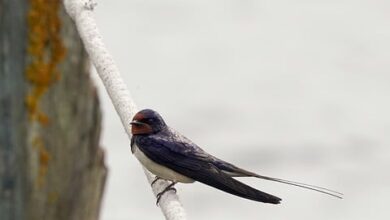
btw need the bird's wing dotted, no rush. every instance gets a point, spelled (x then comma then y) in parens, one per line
(177, 143)
(197, 167)
(186, 147)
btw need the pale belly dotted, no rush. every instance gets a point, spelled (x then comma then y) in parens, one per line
(158, 170)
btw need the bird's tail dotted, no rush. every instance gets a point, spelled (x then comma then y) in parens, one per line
(238, 172)
(226, 183)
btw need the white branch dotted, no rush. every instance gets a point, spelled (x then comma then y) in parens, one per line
(81, 13)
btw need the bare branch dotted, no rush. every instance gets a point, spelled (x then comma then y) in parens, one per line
(81, 13)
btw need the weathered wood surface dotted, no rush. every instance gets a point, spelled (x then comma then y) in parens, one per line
(51, 166)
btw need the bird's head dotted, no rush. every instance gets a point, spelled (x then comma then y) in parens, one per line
(146, 122)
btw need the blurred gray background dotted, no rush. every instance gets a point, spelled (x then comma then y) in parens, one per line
(292, 89)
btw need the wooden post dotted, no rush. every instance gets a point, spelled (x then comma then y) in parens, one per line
(51, 165)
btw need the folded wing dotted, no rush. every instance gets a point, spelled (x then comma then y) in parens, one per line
(199, 169)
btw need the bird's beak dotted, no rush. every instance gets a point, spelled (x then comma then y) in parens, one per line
(135, 122)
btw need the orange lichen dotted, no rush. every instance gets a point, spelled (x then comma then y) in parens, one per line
(46, 52)
(43, 158)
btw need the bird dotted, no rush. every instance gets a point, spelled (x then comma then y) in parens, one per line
(171, 156)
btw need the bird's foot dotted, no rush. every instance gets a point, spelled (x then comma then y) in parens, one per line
(168, 188)
(155, 180)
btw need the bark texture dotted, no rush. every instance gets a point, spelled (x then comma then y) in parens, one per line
(51, 165)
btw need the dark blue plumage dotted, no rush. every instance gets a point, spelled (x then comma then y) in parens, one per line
(190, 161)
(169, 154)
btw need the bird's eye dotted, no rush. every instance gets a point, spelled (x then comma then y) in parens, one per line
(147, 120)
(150, 120)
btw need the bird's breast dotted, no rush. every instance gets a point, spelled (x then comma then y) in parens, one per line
(157, 169)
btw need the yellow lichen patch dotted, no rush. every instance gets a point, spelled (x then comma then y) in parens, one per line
(53, 197)
(45, 51)
(43, 159)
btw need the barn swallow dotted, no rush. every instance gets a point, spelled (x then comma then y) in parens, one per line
(171, 156)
